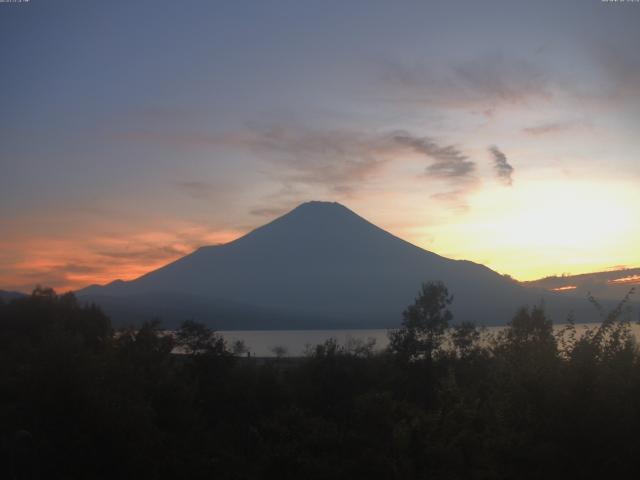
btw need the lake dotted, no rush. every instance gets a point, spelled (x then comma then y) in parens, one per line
(261, 342)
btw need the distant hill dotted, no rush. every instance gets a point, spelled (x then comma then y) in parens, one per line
(6, 295)
(318, 266)
(612, 284)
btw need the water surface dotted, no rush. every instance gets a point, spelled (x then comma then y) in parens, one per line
(295, 342)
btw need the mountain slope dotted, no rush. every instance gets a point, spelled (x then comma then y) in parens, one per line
(320, 265)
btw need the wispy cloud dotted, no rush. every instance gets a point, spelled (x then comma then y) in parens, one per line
(454, 200)
(85, 257)
(58, 275)
(450, 162)
(508, 80)
(146, 252)
(552, 128)
(344, 161)
(546, 128)
(339, 160)
(503, 169)
(483, 83)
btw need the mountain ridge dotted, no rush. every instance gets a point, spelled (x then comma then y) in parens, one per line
(608, 284)
(319, 264)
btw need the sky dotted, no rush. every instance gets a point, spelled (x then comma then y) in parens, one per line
(502, 132)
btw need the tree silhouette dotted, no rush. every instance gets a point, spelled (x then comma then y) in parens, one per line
(196, 338)
(424, 323)
(79, 400)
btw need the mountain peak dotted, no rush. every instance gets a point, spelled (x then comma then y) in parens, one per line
(319, 219)
(315, 207)
(319, 204)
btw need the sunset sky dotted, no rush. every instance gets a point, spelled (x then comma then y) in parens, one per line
(132, 132)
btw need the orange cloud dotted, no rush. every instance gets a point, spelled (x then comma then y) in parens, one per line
(566, 288)
(82, 258)
(630, 280)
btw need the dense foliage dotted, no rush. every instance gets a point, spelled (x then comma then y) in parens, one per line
(78, 400)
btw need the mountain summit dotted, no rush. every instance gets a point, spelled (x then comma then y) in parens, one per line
(318, 266)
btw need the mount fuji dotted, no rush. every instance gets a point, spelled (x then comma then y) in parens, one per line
(318, 266)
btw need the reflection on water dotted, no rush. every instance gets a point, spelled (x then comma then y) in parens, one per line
(261, 343)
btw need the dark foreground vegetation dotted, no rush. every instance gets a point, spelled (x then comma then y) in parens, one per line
(80, 401)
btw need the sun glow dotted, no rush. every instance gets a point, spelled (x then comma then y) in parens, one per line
(540, 228)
